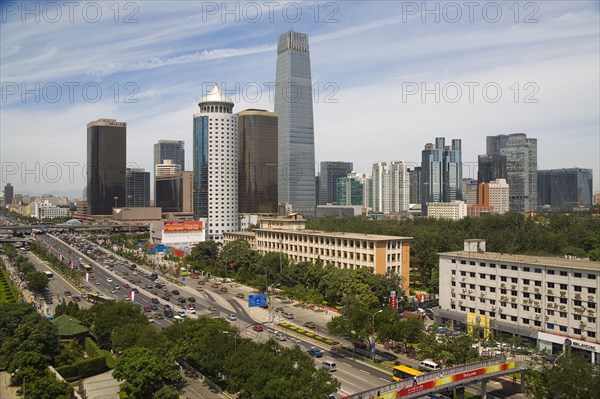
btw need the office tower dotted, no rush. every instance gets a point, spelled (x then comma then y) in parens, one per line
(494, 196)
(414, 177)
(138, 187)
(257, 161)
(441, 172)
(350, 189)
(564, 189)
(170, 149)
(512, 157)
(453, 171)
(167, 168)
(330, 172)
(293, 104)
(106, 164)
(469, 191)
(8, 194)
(174, 193)
(390, 187)
(368, 193)
(216, 164)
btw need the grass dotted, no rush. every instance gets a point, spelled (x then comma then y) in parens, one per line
(8, 292)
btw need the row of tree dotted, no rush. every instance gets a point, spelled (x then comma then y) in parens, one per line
(28, 345)
(36, 280)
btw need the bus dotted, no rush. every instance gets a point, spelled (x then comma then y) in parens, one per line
(403, 372)
(87, 268)
(50, 275)
(94, 297)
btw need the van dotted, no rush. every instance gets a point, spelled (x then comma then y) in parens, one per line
(287, 315)
(428, 365)
(329, 365)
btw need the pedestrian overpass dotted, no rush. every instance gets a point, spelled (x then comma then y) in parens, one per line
(444, 380)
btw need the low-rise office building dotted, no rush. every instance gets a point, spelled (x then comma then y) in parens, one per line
(547, 300)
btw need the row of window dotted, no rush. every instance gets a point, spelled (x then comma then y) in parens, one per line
(563, 273)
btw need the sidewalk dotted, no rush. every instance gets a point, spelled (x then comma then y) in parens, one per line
(7, 392)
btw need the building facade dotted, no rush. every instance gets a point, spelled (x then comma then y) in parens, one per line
(390, 187)
(174, 193)
(170, 149)
(547, 300)
(454, 210)
(494, 195)
(47, 210)
(414, 191)
(565, 189)
(106, 166)
(175, 234)
(216, 164)
(257, 160)
(138, 188)
(294, 106)
(331, 171)
(441, 172)
(167, 168)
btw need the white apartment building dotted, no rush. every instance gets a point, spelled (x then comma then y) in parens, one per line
(454, 210)
(550, 301)
(390, 187)
(47, 210)
(499, 196)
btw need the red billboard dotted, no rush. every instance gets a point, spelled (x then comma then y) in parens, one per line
(172, 227)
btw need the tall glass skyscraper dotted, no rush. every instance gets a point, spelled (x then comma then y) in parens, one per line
(106, 164)
(441, 172)
(331, 171)
(138, 187)
(564, 189)
(294, 105)
(216, 164)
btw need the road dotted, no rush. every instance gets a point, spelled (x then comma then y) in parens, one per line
(354, 376)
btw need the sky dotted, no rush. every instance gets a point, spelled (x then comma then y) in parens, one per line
(388, 77)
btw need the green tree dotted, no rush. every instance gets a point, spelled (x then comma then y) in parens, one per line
(204, 252)
(48, 387)
(404, 331)
(138, 335)
(355, 322)
(110, 315)
(37, 281)
(239, 255)
(145, 372)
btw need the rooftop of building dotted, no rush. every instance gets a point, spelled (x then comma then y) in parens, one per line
(215, 95)
(582, 264)
(242, 233)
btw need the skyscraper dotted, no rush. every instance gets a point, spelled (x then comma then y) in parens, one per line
(294, 105)
(216, 164)
(106, 164)
(174, 193)
(166, 168)
(257, 161)
(8, 194)
(350, 189)
(414, 177)
(170, 149)
(138, 187)
(441, 172)
(512, 157)
(565, 189)
(330, 172)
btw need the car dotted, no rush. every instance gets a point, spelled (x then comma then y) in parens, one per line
(168, 313)
(126, 298)
(150, 319)
(214, 285)
(279, 309)
(201, 282)
(288, 315)
(181, 300)
(177, 317)
(191, 310)
(212, 308)
(98, 283)
(191, 305)
(153, 307)
(166, 298)
(154, 300)
(310, 324)
(135, 290)
(113, 291)
(67, 293)
(257, 328)
(117, 287)
(223, 289)
(109, 280)
(158, 316)
(76, 298)
(280, 336)
(175, 292)
(231, 317)
(240, 295)
(199, 288)
(315, 352)
(126, 286)
(191, 299)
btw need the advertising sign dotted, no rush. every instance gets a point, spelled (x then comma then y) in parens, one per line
(173, 227)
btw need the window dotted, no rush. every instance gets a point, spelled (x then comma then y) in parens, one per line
(482, 264)
(550, 312)
(591, 319)
(550, 285)
(576, 302)
(591, 290)
(577, 275)
(538, 283)
(526, 295)
(482, 275)
(453, 272)
(526, 308)
(463, 262)
(503, 278)
(538, 270)
(513, 318)
(492, 289)
(562, 328)
(591, 334)
(526, 281)
(526, 269)
(514, 280)
(563, 286)
(591, 276)
(492, 277)
(472, 274)
(564, 274)
(577, 288)
(563, 301)
(463, 273)
(525, 321)
(550, 271)
(592, 305)
(502, 266)
(513, 305)
(563, 315)
(577, 331)
(538, 297)
(493, 265)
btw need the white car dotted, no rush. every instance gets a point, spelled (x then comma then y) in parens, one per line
(109, 280)
(177, 317)
(191, 310)
(280, 336)
(231, 317)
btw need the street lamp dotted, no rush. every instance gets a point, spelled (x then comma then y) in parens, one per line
(372, 331)
(234, 338)
(116, 199)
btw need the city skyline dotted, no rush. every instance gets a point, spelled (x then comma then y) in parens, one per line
(386, 53)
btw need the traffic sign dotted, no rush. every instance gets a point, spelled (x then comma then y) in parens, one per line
(257, 300)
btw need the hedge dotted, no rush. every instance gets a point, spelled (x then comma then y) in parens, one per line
(83, 369)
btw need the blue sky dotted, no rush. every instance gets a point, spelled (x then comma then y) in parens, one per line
(390, 77)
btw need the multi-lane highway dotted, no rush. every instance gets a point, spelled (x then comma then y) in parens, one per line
(354, 376)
